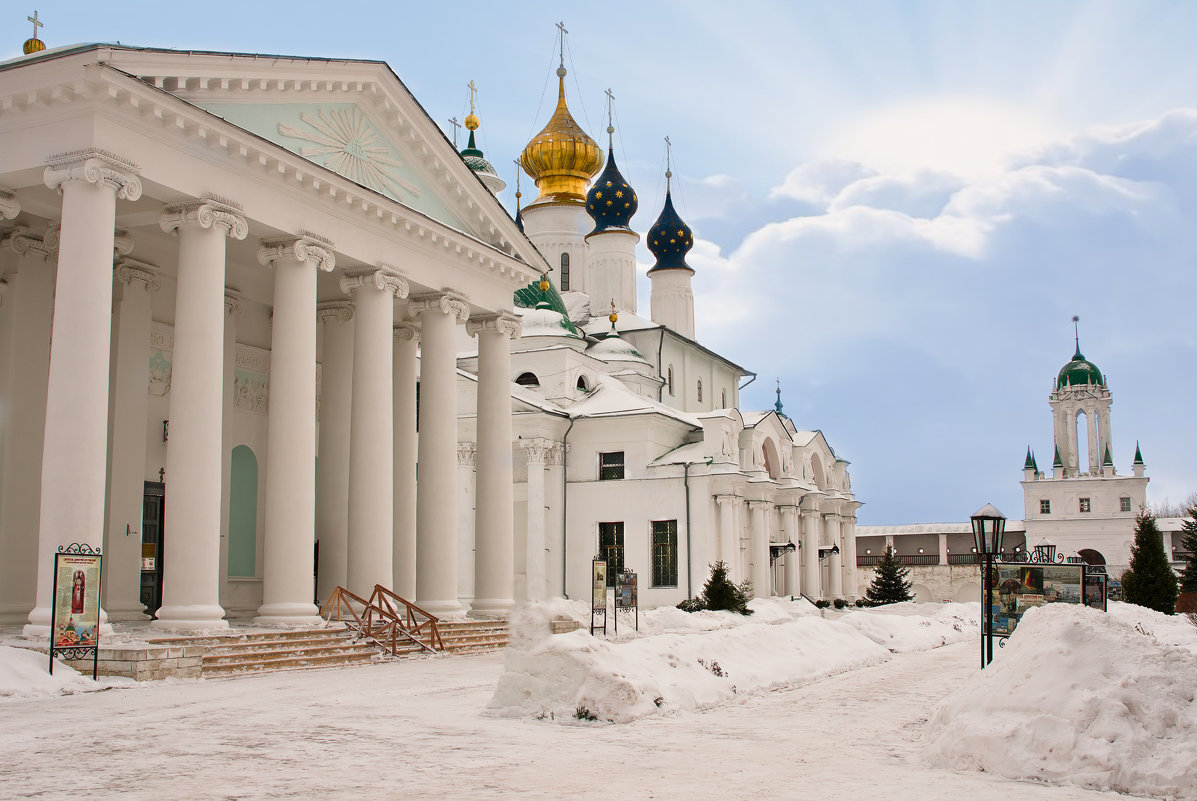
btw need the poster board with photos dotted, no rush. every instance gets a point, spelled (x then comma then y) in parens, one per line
(1019, 586)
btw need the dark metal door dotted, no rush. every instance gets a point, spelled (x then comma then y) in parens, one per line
(152, 529)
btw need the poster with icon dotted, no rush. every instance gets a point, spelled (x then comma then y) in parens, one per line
(75, 614)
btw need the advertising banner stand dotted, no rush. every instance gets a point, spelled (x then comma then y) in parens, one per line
(625, 597)
(75, 611)
(598, 595)
(1015, 587)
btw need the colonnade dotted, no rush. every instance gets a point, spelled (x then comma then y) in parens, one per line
(375, 521)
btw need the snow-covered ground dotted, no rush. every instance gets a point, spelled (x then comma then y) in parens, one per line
(845, 719)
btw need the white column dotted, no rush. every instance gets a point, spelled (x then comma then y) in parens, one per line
(126, 483)
(835, 560)
(467, 453)
(406, 367)
(943, 548)
(848, 533)
(232, 310)
(554, 493)
(332, 468)
(291, 434)
(759, 549)
(793, 585)
(494, 528)
(75, 452)
(811, 585)
(191, 553)
(436, 516)
(537, 452)
(728, 539)
(371, 429)
(28, 303)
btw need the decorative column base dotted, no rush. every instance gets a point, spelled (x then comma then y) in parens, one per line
(285, 615)
(190, 618)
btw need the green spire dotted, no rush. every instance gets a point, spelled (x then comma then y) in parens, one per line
(1029, 464)
(1058, 461)
(1108, 460)
(777, 405)
(1138, 454)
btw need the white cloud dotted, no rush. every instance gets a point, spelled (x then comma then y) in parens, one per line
(818, 182)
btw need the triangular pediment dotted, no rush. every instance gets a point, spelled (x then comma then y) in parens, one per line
(344, 138)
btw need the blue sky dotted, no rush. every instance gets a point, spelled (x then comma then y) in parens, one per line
(898, 205)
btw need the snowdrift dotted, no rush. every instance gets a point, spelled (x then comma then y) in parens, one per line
(685, 662)
(26, 674)
(1084, 698)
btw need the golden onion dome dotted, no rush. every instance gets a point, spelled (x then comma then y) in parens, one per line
(33, 45)
(562, 158)
(472, 122)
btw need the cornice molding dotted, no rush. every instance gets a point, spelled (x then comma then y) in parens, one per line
(94, 166)
(207, 212)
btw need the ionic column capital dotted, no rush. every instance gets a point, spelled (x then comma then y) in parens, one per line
(207, 212)
(537, 450)
(753, 504)
(557, 451)
(467, 454)
(307, 247)
(130, 270)
(446, 301)
(504, 322)
(232, 302)
(406, 332)
(22, 241)
(338, 311)
(382, 278)
(728, 500)
(94, 167)
(10, 207)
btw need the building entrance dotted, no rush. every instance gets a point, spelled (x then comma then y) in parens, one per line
(153, 517)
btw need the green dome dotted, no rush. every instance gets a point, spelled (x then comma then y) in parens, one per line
(1079, 372)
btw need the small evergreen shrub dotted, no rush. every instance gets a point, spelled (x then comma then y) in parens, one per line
(583, 713)
(891, 584)
(720, 593)
(1150, 581)
(840, 603)
(822, 604)
(1188, 574)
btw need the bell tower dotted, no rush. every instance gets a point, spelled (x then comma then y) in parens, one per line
(1080, 396)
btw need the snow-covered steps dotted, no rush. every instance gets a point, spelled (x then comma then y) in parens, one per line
(237, 653)
(473, 636)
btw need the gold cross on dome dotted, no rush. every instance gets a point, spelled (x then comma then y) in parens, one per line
(561, 27)
(473, 91)
(36, 23)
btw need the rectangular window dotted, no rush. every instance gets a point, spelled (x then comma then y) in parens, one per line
(1045, 507)
(611, 548)
(664, 553)
(611, 466)
(1084, 504)
(1124, 504)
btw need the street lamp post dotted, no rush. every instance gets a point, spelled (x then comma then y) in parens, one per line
(989, 526)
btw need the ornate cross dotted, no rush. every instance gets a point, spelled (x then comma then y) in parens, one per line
(36, 24)
(473, 91)
(453, 121)
(668, 155)
(561, 27)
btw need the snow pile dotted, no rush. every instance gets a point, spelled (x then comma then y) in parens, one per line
(913, 627)
(26, 674)
(1080, 697)
(684, 662)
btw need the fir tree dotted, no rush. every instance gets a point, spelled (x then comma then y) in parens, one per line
(1188, 574)
(720, 593)
(890, 583)
(1150, 581)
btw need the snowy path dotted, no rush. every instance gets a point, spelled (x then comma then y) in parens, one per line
(413, 730)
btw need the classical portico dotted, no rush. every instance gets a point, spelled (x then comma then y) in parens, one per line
(257, 366)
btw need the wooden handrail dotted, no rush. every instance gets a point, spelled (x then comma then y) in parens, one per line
(380, 619)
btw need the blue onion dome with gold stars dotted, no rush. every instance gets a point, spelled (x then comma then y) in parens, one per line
(611, 202)
(562, 158)
(670, 239)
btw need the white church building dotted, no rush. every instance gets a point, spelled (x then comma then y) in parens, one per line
(260, 336)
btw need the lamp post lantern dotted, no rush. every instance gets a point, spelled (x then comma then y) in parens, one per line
(989, 527)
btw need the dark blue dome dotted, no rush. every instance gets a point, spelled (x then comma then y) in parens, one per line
(670, 239)
(611, 202)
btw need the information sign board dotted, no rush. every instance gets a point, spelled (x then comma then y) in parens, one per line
(75, 613)
(598, 595)
(1019, 586)
(625, 596)
(1095, 590)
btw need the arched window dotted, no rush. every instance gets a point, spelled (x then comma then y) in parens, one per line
(528, 380)
(243, 512)
(700, 390)
(583, 384)
(669, 379)
(564, 272)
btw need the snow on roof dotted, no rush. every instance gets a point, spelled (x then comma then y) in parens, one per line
(611, 398)
(686, 454)
(1012, 526)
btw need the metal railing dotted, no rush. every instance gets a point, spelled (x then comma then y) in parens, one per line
(869, 560)
(385, 618)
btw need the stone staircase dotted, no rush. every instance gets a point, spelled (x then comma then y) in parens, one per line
(238, 654)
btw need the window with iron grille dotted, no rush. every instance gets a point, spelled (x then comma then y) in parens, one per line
(611, 548)
(1124, 504)
(1045, 507)
(664, 553)
(1084, 504)
(611, 466)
